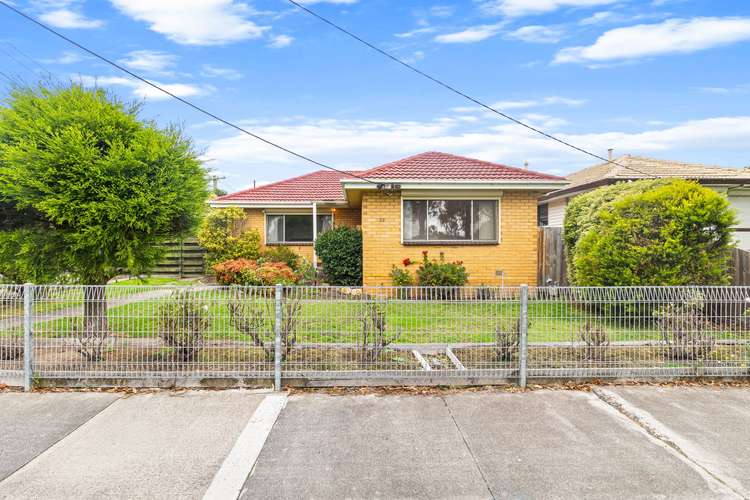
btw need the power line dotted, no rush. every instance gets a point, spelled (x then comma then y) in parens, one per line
(41, 66)
(455, 90)
(173, 96)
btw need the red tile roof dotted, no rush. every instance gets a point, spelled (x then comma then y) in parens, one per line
(321, 185)
(442, 166)
(325, 185)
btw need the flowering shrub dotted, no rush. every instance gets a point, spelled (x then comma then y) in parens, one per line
(250, 272)
(440, 273)
(401, 277)
(431, 272)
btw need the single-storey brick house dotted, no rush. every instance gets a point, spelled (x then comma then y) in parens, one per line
(481, 213)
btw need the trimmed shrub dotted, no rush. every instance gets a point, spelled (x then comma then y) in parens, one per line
(674, 233)
(440, 273)
(340, 251)
(219, 235)
(281, 254)
(251, 273)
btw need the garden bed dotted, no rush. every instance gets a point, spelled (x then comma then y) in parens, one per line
(643, 356)
(216, 359)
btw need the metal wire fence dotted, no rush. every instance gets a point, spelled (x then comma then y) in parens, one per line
(435, 334)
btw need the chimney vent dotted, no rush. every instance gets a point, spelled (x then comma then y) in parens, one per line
(526, 164)
(609, 153)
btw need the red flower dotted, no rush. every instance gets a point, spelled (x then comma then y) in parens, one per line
(424, 252)
(406, 262)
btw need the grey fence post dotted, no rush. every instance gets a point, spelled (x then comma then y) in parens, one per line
(277, 341)
(523, 333)
(28, 337)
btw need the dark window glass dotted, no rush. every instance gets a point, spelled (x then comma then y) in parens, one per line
(298, 228)
(294, 228)
(450, 220)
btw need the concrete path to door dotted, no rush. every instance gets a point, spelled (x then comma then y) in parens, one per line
(611, 442)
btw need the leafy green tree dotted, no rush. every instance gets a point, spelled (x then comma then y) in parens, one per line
(674, 233)
(88, 190)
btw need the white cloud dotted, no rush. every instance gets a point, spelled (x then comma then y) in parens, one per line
(149, 61)
(66, 18)
(471, 35)
(211, 71)
(280, 41)
(415, 56)
(194, 22)
(738, 89)
(442, 10)
(517, 8)
(67, 57)
(537, 34)
(599, 17)
(415, 32)
(362, 143)
(142, 90)
(669, 37)
(525, 104)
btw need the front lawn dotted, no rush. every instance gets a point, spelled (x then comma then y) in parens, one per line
(340, 321)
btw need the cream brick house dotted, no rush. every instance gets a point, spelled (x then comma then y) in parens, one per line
(732, 182)
(481, 213)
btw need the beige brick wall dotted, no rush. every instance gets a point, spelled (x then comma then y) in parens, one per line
(255, 219)
(516, 254)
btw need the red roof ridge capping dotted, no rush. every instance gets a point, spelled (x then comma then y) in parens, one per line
(437, 165)
(320, 185)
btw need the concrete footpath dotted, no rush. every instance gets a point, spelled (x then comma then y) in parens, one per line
(613, 442)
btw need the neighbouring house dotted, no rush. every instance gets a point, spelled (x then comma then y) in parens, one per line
(481, 213)
(733, 182)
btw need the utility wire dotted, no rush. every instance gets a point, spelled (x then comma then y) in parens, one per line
(184, 101)
(455, 90)
(41, 66)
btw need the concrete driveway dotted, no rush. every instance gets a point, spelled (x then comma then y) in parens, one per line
(614, 442)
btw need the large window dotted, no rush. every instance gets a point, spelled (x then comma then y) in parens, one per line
(294, 228)
(450, 220)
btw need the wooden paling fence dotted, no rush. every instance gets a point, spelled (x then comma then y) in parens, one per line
(552, 267)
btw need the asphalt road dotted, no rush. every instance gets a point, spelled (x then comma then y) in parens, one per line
(613, 442)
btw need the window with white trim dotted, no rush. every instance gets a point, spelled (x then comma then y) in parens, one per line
(294, 228)
(450, 220)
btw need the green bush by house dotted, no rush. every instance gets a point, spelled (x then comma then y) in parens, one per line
(340, 251)
(650, 232)
(220, 235)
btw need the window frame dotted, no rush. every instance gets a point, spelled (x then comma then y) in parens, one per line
(284, 214)
(469, 241)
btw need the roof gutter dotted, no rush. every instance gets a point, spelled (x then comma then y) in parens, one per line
(551, 184)
(275, 204)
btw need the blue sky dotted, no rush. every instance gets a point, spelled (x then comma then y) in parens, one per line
(662, 78)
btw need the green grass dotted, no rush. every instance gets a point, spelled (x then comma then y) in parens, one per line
(416, 321)
(157, 280)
